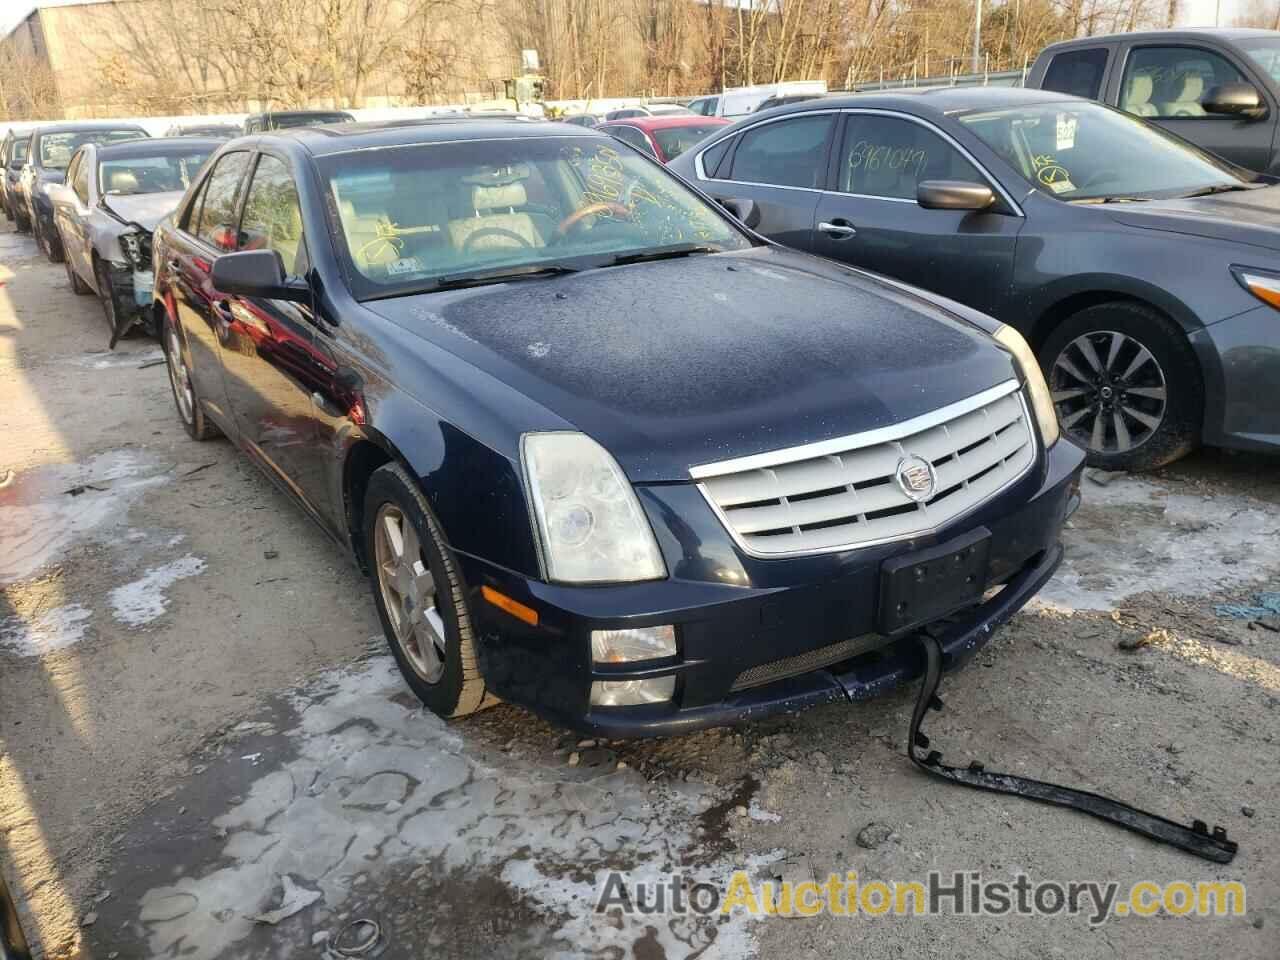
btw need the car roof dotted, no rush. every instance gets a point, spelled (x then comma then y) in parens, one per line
(666, 120)
(86, 125)
(1220, 33)
(300, 113)
(343, 138)
(151, 145)
(924, 100)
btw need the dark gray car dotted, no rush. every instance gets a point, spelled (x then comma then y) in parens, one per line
(1144, 272)
(1219, 89)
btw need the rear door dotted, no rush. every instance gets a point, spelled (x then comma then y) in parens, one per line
(208, 229)
(1166, 84)
(870, 217)
(781, 164)
(269, 356)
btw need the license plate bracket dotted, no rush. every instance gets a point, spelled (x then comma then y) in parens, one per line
(925, 585)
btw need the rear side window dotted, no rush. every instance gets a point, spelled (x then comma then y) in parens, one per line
(786, 153)
(217, 220)
(1077, 72)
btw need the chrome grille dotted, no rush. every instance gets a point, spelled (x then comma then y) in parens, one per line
(843, 493)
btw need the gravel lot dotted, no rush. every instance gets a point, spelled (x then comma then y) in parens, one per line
(198, 722)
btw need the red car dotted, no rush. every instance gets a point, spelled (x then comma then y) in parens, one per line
(664, 137)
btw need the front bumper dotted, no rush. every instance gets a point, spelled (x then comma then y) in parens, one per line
(1240, 358)
(756, 637)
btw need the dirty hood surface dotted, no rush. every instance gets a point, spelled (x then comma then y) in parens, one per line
(1241, 216)
(144, 209)
(682, 362)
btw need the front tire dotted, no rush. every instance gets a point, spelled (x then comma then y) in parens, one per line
(1126, 386)
(78, 286)
(185, 396)
(51, 247)
(420, 596)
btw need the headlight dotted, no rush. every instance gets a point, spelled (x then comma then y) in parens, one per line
(132, 246)
(590, 525)
(1041, 399)
(1266, 287)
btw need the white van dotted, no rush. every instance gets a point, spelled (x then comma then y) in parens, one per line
(739, 101)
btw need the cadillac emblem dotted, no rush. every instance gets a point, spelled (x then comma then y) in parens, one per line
(916, 477)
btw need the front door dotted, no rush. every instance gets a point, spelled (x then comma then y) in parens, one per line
(207, 230)
(871, 219)
(269, 358)
(1167, 84)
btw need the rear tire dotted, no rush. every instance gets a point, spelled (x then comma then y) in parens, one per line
(420, 596)
(185, 396)
(1126, 385)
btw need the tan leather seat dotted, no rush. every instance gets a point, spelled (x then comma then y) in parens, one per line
(1137, 96)
(122, 181)
(497, 225)
(1187, 88)
(368, 248)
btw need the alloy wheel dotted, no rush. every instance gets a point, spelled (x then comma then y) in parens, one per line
(409, 593)
(1109, 391)
(179, 377)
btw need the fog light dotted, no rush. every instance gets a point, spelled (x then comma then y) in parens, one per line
(639, 643)
(629, 693)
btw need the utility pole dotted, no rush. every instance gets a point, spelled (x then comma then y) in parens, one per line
(977, 36)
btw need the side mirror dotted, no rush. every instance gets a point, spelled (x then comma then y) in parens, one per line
(256, 273)
(954, 195)
(744, 209)
(1234, 99)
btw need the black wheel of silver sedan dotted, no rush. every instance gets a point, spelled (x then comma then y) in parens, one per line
(420, 596)
(1126, 386)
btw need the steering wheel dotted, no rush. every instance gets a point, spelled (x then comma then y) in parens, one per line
(495, 232)
(574, 220)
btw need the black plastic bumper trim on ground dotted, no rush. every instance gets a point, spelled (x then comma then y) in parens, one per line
(1195, 839)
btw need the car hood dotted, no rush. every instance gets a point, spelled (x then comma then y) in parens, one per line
(144, 209)
(1242, 216)
(682, 362)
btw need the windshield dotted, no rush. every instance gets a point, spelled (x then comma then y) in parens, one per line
(1083, 151)
(56, 148)
(674, 141)
(418, 215)
(156, 174)
(1265, 52)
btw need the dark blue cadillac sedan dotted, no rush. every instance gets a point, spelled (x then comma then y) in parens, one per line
(601, 450)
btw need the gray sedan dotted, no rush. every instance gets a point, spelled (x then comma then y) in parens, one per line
(1144, 272)
(106, 210)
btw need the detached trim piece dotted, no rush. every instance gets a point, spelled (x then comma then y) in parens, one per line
(1195, 839)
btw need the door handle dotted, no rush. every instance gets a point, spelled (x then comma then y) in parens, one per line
(837, 229)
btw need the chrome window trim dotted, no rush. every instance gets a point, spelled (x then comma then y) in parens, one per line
(702, 175)
(867, 111)
(881, 435)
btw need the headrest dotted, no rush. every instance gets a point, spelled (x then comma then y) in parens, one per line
(1192, 87)
(1140, 87)
(122, 180)
(502, 195)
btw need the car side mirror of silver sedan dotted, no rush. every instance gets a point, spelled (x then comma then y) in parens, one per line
(954, 195)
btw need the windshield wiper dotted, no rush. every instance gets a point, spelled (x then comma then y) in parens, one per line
(1116, 199)
(532, 271)
(1221, 188)
(662, 253)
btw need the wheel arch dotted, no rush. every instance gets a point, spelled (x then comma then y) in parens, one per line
(1081, 292)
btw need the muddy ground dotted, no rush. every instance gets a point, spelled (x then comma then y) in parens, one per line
(199, 723)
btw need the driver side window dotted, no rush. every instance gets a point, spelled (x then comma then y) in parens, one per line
(887, 157)
(80, 179)
(273, 215)
(1172, 81)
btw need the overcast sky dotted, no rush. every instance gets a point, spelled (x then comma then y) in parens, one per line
(1197, 13)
